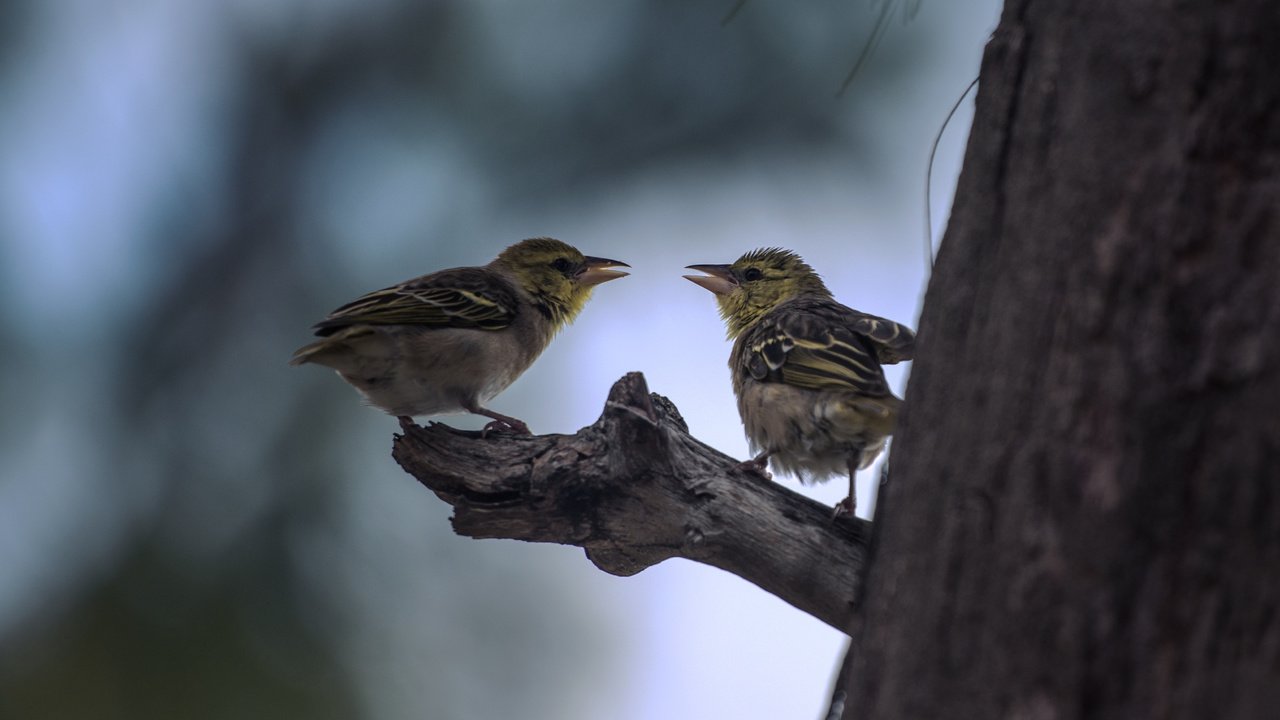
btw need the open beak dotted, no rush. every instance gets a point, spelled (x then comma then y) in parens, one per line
(718, 278)
(598, 270)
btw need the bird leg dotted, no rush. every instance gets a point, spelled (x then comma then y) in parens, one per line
(849, 505)
(758, 465)
(501, 423)
(406, 422)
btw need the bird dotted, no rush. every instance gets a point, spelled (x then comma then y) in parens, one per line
(449, 341)
(807, 370)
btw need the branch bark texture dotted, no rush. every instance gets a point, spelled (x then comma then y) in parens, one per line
(634, 489)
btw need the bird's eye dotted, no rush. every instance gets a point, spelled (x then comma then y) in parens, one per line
(562, 264)
(752, 274)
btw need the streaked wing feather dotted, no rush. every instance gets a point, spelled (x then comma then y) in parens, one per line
(769, 354)
(893, 342)
(463, 297)
(834, 360)
(806, 349)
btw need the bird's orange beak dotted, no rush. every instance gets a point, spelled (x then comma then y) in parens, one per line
(598, 270)
(718, 279)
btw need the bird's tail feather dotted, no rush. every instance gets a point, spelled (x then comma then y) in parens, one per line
(326, 351)
(306, 352)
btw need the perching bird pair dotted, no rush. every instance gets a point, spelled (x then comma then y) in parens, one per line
(806, 369)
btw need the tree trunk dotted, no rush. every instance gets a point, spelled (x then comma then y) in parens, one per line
(1083, 516)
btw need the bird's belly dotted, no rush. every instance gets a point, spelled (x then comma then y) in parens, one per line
(812, 434)
(400, 395)
(436, 372)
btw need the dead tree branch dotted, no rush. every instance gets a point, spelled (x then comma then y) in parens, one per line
(634, 489)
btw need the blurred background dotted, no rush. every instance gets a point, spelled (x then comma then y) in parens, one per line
(189, 528)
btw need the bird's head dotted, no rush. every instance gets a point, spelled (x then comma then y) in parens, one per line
(556, 275)
(756, 283)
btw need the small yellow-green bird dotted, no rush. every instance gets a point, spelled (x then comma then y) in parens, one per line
(806, 369)
(449, 341)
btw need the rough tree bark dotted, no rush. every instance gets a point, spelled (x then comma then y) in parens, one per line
(1083, 518)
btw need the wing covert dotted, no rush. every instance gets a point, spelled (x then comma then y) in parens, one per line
(804, 350)
(464, 297)
(893, 342)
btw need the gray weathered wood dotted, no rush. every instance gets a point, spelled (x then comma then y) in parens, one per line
(634, 489)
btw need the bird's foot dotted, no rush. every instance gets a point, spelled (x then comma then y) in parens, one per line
(406, 422)
(755, 466)
(501, 423)
(845, 508)
(507, 425)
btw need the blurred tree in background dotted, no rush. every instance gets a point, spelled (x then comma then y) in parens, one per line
(188, 528)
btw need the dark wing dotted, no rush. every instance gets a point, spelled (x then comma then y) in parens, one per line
(893, 343)
(461, 297)
(822, 345)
